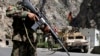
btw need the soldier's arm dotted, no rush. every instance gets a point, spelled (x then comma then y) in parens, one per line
(13, 11)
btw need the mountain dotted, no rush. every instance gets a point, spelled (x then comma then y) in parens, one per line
(85, 13)
(89, 15)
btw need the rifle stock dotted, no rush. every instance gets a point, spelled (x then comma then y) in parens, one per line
(28, 5)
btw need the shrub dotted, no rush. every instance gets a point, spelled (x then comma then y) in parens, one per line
(45, 45)
(42, 45)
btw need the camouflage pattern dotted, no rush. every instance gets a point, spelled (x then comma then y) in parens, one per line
(21, 45)
(22, 49)
(16, 10)
(50, 42)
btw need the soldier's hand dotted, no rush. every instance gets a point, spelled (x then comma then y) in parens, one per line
(32, 16)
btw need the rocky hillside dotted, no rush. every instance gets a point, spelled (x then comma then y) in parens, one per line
(89, 15)
(85, 13)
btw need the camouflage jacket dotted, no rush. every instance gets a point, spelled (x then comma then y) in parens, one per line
(17, 13)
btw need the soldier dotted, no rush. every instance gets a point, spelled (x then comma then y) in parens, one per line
(50, 42)
(23, 19)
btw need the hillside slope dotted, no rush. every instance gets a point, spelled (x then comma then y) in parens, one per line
(85, 13)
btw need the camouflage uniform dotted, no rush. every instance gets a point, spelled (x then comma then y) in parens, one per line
(21, 45)
(50, 42)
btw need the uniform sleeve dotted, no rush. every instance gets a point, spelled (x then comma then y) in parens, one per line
(16, 12)
(24, 14)
(10, 12)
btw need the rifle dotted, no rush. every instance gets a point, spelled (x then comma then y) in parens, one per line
(42, 20)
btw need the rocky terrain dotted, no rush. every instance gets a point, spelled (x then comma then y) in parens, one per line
(85, 13)
(89, 14)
